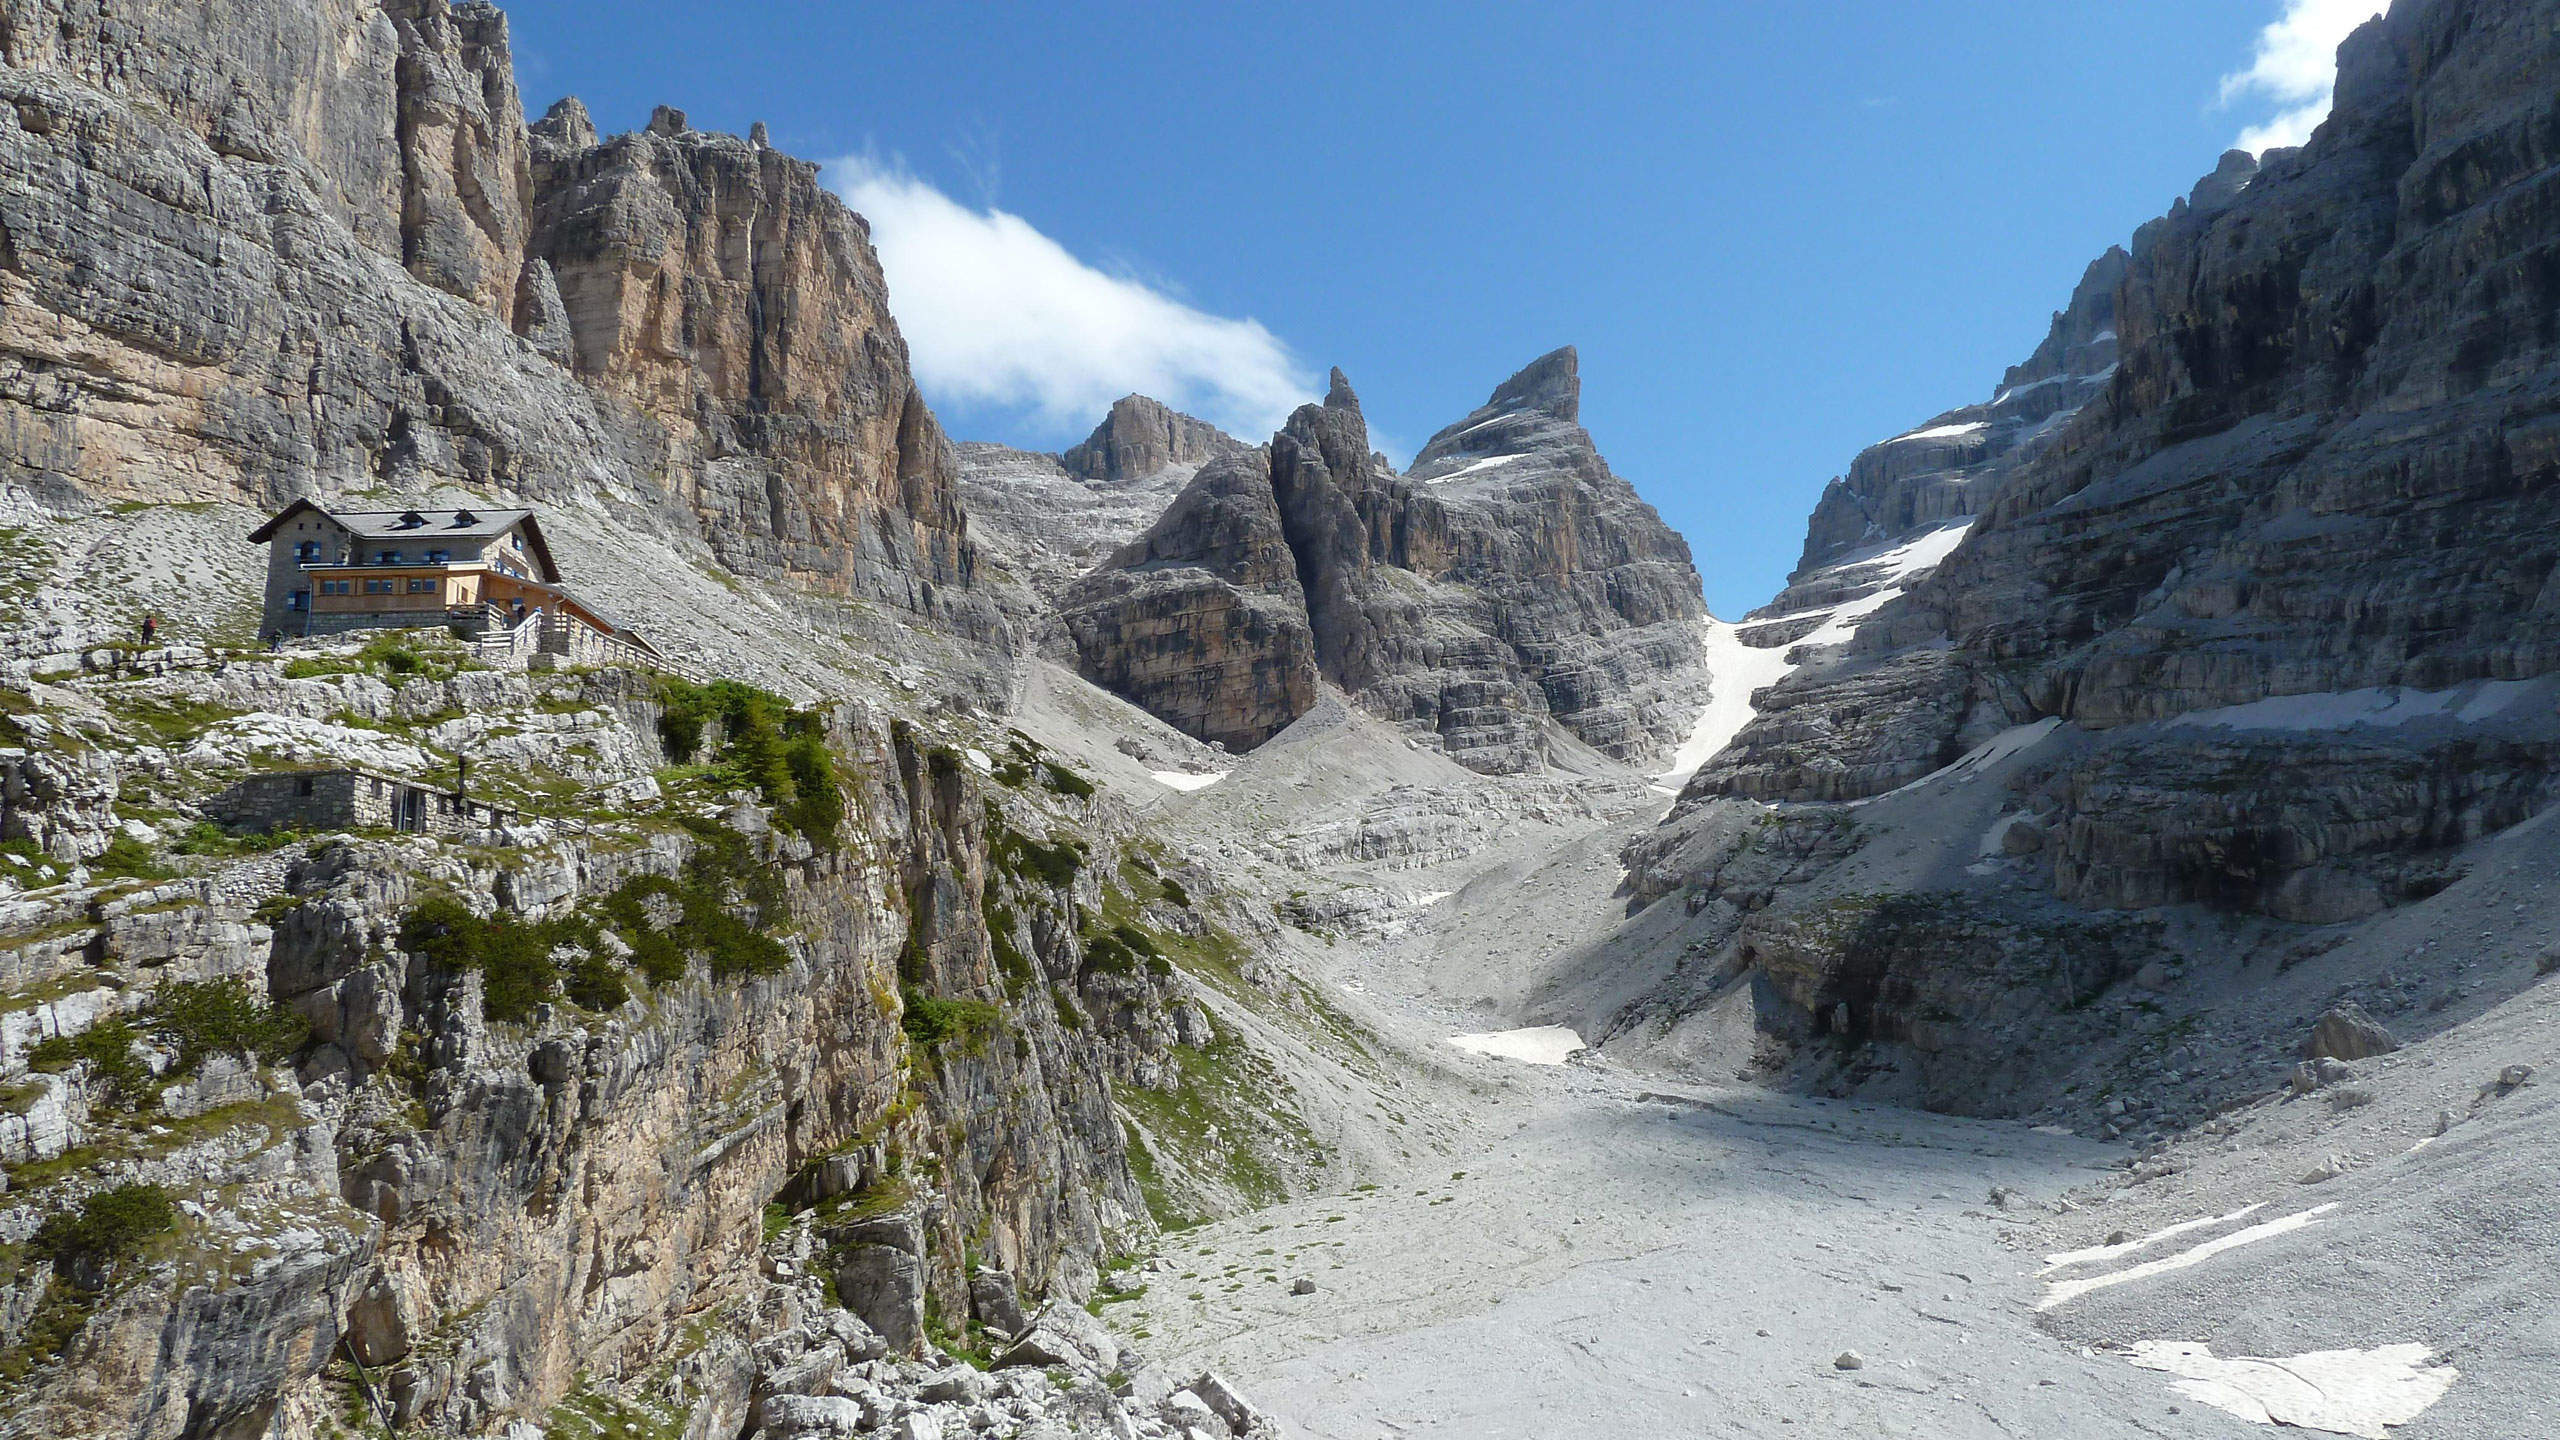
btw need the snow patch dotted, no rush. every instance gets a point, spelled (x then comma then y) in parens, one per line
(1470, 468)
(980, 760)
(1942, 432)
(1981, 757)
(1734, 671)
(1536, 1045)
(2109, 1252)
(1921, 553)
(2347, 1392)
(2064, 1291)
(1180, 780)
(2381, 706)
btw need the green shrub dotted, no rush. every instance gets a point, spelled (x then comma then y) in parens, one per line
(1066, 781)
(513, 957)
(1123, 950)
(720, 879)
(109, 1228)
(765, 744)
(1020, 855)
(107, 1048)
(681, 734)
(391, 657)
(198, 1018)
(596, 983)
(1011, 962)
(931, 1022)
(128, 859)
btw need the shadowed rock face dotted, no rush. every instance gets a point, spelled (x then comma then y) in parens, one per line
(2321, 484)
(1510, 579)
(1201, 619)
(2326, 460)
(235, 243)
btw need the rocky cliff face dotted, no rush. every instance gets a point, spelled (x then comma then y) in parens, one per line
(1510, 579)
(1946, 467)
(544, 1080)
(1142, 438)
(2211, 601)
(312, 248)
(1201, 620)
(1050, 519)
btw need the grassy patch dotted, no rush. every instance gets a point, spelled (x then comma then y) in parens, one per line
(1227, 1116)
(208, 839)
(764, 743)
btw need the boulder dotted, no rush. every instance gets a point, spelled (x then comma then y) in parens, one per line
(880, 1276)
(994, 1300)
(2346, 1032)
(810, 1417)
(1239, 1413)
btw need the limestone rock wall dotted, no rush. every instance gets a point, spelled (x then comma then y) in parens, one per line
(308, 247)
(1201, 619)
(1508, 582)
(486, 1213)
(1049, 520)
(722, 298)
(2268, 611)
(2325, 461)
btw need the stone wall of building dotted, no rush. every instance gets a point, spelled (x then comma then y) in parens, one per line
(348, 800)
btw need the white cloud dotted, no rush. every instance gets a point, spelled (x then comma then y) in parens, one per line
(997, 313)
(2295, 66)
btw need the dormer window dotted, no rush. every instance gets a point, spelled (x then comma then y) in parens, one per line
(411, 519)
(464, 518)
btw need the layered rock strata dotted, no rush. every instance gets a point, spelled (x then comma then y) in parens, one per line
(1051, 519)
(2267, 615)
(1510, 580)
(312, 247)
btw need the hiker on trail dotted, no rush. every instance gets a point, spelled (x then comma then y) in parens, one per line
(150, 627)
(275, 641)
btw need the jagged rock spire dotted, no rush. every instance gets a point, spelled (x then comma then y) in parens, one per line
(1552, 382)
(1339, 395)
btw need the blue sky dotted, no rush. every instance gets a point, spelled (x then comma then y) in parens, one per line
(1777, 232)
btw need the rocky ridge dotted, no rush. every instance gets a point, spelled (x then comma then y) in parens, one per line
(2262, 630)
(471, 1193)
(1511, 580)
(1051, 519)
(314, 249)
